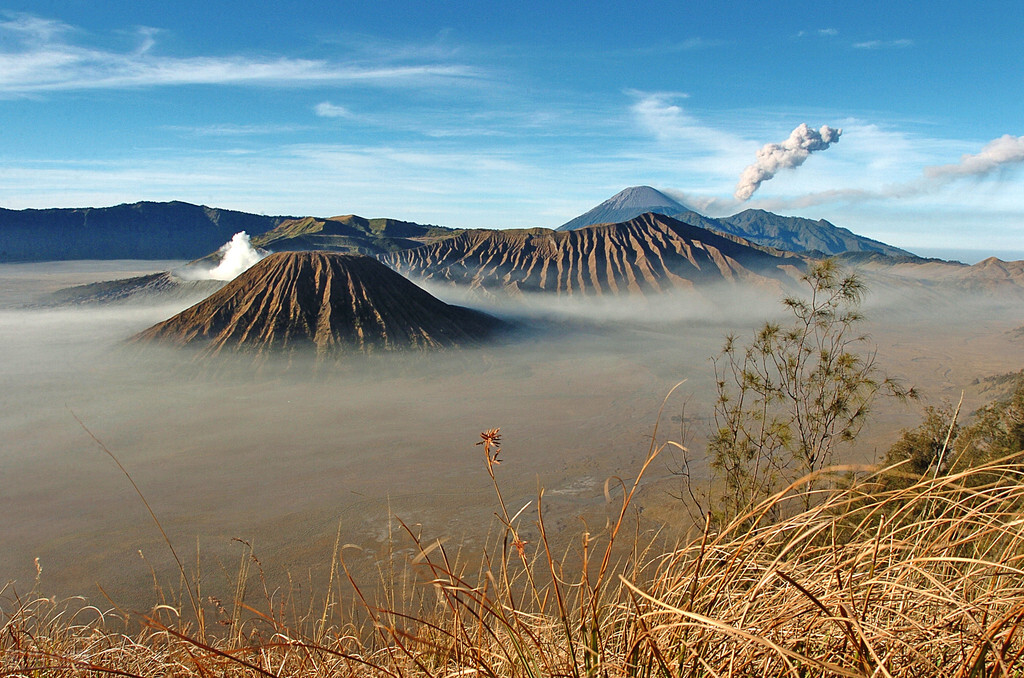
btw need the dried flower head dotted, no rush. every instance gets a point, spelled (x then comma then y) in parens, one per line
(491, 440)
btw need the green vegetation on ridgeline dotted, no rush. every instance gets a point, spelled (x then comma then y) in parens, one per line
(350, 233)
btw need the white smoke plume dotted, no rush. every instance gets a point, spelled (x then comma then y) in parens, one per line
(789, 154)
(237, 256)
(996, 154)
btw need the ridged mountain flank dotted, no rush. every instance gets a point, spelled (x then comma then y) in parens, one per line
(322, 302)
(624, 205)
(647, 255)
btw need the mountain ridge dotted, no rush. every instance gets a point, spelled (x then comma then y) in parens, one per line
(647, 255)
(141, 230)
(794, 233)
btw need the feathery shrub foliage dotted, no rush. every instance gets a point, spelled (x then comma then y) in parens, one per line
(794, 393)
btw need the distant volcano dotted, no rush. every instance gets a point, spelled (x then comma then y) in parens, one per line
(793, 234)
(325, 303)
(626, 204)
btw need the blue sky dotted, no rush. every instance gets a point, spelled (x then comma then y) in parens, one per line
(528, 114)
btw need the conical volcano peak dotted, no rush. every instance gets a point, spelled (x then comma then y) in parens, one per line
(626, 204)
(642, 196)
(325, 302)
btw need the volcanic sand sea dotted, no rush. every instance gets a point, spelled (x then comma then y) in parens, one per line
(285, 460)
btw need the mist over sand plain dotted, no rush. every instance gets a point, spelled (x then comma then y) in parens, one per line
(286, 458)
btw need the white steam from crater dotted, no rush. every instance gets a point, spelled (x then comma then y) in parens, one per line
(237, 256)
(789, 154)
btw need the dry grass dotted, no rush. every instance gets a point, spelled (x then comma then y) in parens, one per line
(926, 580)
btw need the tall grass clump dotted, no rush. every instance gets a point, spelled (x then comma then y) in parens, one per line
(925, 580)
(921, 580)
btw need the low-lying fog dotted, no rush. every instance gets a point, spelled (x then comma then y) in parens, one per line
(283, 459)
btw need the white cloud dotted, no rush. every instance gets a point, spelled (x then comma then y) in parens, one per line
(656, 113)
(231, 130)
(32, 27)
(147, 40)
(823, 32)
(884, 44)
(687, 45)
(42, 60)
(326, 109)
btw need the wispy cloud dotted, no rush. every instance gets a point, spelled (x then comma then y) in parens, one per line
(343, 158)
(326, 109)
(822, 32)
(33, 27)
(884, 44)
(657, 114)
(229, 130)
(40, 58)
(688, 45)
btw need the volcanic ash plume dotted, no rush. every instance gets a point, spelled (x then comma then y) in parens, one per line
(237, 256)
(790, 153)
(1002, 152)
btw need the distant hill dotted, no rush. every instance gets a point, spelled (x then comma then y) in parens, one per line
(143, 230)
(647, 255)
(144, 289)
(349, 233)
(991, 278)
(624, 205)
(323, 303)
(793, 234)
